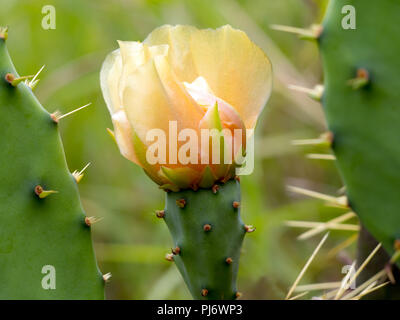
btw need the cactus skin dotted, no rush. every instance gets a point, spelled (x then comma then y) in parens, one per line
(365, 122)
(203, 258)
(35, 232)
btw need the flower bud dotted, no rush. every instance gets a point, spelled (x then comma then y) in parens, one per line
(182, 101)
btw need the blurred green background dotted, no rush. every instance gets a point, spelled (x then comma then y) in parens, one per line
(130, 242)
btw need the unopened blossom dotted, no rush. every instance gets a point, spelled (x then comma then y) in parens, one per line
(184, 78)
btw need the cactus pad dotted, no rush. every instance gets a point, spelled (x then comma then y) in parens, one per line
(207, 234)
(362, 106)
(42, 222)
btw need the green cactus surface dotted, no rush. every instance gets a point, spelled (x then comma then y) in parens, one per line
(39, 228)
(207, 233)
(362, 106)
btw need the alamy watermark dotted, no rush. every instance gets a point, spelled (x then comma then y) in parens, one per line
(350, 270)
(349, 20)
(49, 280)
(205, 146)
(49, 20)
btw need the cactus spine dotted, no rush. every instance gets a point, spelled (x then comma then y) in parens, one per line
(42, 222)
(207, 234)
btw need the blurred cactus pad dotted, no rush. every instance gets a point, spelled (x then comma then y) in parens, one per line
(361, 102)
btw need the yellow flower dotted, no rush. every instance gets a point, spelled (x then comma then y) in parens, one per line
(183, 78)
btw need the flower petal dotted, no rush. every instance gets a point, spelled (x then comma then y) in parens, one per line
(123, 136)
(179, 39)
(225, 117)
(202, 94)
(109, 80)
(212, 121)
(131, 147)
(235, 68)
(153, 98)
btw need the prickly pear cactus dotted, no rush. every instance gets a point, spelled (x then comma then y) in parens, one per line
(207, 232)
(42, 224)
(361, 103)
(202, 81)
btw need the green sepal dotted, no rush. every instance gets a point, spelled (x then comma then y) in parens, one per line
(207, 178)
(183, 178)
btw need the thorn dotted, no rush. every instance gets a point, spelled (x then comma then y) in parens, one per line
(238, 295)
(215, 188)
(207, 227)
(204, 292)
(310, 259)
(338, 201)
(345, 281)
(371, 288)
(229, 260)
(43, 193)
(301, 295)
(341, 246)
(379, 276)
(317, 156)
(336, 222)
(237, 178)
(316, 93)
(160, 214)
(107, 277)
(32, 83)
(169, 257)
(389, 273)
(91, 220)
(11, 79)
(181, 203)
(361, 80)
(4, 33)
(312, 33)
(325, 139)
(357, 273)
(59, 117)
(249, 228)
(236, 204)
(176, 251)
(78, 175)
(111, 133)
(317, 227)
